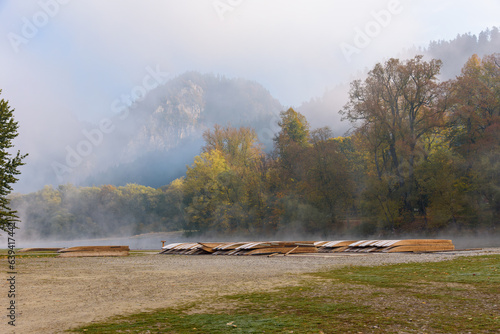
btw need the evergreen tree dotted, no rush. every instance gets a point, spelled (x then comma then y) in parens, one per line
(8, 164)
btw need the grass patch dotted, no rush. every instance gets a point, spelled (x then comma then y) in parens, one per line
(479, 271)
(134, 252)
(444, 297)
(4, 254)
(172, 321)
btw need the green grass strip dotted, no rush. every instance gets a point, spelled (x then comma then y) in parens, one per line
(456, 296)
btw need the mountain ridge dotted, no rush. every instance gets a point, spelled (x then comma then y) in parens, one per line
(165, 129)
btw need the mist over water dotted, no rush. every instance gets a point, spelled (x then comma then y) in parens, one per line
(153, 241)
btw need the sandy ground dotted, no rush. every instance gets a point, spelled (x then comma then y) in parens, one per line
(56, 294)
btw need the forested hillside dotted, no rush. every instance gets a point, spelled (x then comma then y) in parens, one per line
(158, 136)
(424, 156)
(322, 110)
(455, 52)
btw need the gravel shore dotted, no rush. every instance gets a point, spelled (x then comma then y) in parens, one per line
(56, 294)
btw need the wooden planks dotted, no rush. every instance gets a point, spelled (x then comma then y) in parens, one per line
(85, 251)
(40, 249)
(334, 246)
(420, 248)
(303, 247)
(241, 248)
(388, 246)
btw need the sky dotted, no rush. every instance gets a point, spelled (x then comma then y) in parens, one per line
(64, 61)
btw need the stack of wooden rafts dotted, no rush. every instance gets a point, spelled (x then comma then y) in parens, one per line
(241, 248)
(385, 246)
(300, 247)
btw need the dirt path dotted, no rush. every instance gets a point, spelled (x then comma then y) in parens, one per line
(56, 294)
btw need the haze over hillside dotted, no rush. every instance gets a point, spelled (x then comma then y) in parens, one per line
(323, 110)
(151, 140)
(162, 133)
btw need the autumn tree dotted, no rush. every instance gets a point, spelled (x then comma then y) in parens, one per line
(243, 153)
(172, 206)
(289, 144)
(294, 127)
(204, 190)
(476, 114)
(397, 105)
(224, 186)
(239, 146)
(474, 132)
(9, 164)
(328, 183)
(444, 188)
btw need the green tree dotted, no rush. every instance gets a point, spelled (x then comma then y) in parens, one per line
(9, 164)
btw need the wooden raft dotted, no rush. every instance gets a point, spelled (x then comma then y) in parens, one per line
(84, 251)
(40, 249)
(387, 246)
